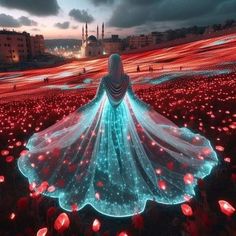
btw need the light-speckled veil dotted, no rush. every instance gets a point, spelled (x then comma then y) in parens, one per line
(115, 154)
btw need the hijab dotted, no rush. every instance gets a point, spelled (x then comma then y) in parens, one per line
(115, 68)
(117, 81)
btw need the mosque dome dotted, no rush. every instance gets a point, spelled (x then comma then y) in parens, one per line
(92, 39)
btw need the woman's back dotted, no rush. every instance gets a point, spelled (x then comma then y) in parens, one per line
(116, 82)
(116, 91)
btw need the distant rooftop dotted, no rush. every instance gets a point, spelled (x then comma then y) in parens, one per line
(9, 32)
(13, 32)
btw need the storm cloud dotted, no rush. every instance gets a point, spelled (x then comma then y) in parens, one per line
(23, 20)
(64, 25)
(81, 16)
(130, 13)
(102, 2)
(35, 7)
(8, 21)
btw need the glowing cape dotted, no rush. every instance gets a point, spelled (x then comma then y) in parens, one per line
(115, 157)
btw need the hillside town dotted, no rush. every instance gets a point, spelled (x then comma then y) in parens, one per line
(17, 47)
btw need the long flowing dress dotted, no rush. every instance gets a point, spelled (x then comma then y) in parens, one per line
(115, 153)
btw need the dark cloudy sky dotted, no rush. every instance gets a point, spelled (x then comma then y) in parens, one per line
(64, 18)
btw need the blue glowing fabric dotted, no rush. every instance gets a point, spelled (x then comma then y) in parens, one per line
(115, 158)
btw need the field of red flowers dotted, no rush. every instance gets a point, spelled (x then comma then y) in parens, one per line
(193, 85)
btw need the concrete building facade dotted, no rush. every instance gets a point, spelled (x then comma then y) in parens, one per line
(17, 47)
(113, 45)
(140, 41)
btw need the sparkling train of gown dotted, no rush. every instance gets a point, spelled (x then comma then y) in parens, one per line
(115, 153)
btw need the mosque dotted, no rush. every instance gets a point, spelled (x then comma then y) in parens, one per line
(92, 46)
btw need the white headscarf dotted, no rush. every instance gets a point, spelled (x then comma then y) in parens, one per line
(116, 82)
(115, 68)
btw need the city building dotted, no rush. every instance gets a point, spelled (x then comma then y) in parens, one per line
(113, 45)
(17, 47)
(140, 41)
(92, 46)
(37, 45)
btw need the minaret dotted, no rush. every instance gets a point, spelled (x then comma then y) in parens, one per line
(83, 34)
(97, 32)
(86, 32)
(102, 31)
